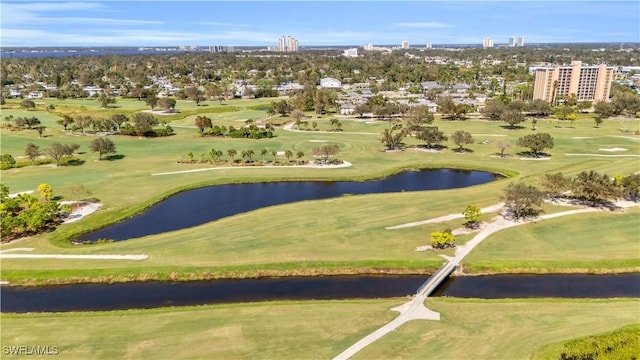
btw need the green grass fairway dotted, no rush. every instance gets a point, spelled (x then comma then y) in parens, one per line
(500, 329)
(469, 329)
(345, 232)
(567, 244)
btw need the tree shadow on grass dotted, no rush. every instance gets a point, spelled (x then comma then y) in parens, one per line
(74, 162)
(463, 150)
(530, 154)
(114, 157)
(514, 127)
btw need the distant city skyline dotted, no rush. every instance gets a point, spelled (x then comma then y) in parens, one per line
(320, 23)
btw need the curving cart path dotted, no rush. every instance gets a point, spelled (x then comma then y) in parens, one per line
(415, 309)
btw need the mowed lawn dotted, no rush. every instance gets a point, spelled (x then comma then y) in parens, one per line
(567, 244)
(346, 231)
(500, 329)
(469, 329)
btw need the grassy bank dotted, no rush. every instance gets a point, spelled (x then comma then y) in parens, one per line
(512, 329)
(348, 231)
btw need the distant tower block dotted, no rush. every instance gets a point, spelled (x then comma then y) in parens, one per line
(428, 45)
(520, 40)
(405, 44)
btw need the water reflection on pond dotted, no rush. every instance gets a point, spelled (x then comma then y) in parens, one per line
(199, 206)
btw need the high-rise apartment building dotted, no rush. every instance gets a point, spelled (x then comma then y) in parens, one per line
(588, 83)
(287, 44)
(520, 41)
(405, 44)
(487, 43)
(428, 46)
(512, 41)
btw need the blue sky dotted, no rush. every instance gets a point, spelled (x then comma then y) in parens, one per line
(171, 23)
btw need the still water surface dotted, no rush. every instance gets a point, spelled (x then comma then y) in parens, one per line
(202, 205)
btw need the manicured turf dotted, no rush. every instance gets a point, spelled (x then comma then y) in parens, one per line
(347, 231)
(482, 329)
(574, 242)
(500, 329)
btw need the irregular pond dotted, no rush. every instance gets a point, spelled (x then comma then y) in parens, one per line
(202, 205)
(142, 295)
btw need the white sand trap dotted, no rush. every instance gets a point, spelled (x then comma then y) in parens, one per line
(612, 149)
(318, 141)
(81, 212)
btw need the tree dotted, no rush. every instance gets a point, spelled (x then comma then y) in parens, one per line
(119, 119)
(232, 154)
(604, 109)
(418, 117)
(493, 110)
(102, 145)
(565, 112)
(151, 101)
(503, 145)
(248, 154)
(523, 200)
(203, 122)
(536, 142)
(83, 122)
(461, 138)
(106, 100)
(631, 186)
(392, 137)
(263, 153)
(77, 191)
(594, 187)
(288, 154)
(299, 155)
(597, 120)
(167, 103)
(555, 184)
(540, 108)
(45, 191)
(58, 152)
(28, 104)
(512, 117)
(451, 110)
(7, 161)
(442, 239)
(325, 152)
(583, 106)
(432, 136)
(143, 123)
(32, 152)
(194, 94)
(65, 121)
(472, 214)
(297, 115)
(40, 130)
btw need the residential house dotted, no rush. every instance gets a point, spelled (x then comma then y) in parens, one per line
(330, 83)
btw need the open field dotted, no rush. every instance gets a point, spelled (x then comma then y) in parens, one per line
(499, 329)
(313, 236)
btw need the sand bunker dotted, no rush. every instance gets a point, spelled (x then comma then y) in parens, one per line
(612, 149)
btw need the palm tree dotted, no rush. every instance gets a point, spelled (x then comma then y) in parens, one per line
(248, 154)
(232, 154)
(263, 153)
(300, 155)
(288, 154)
